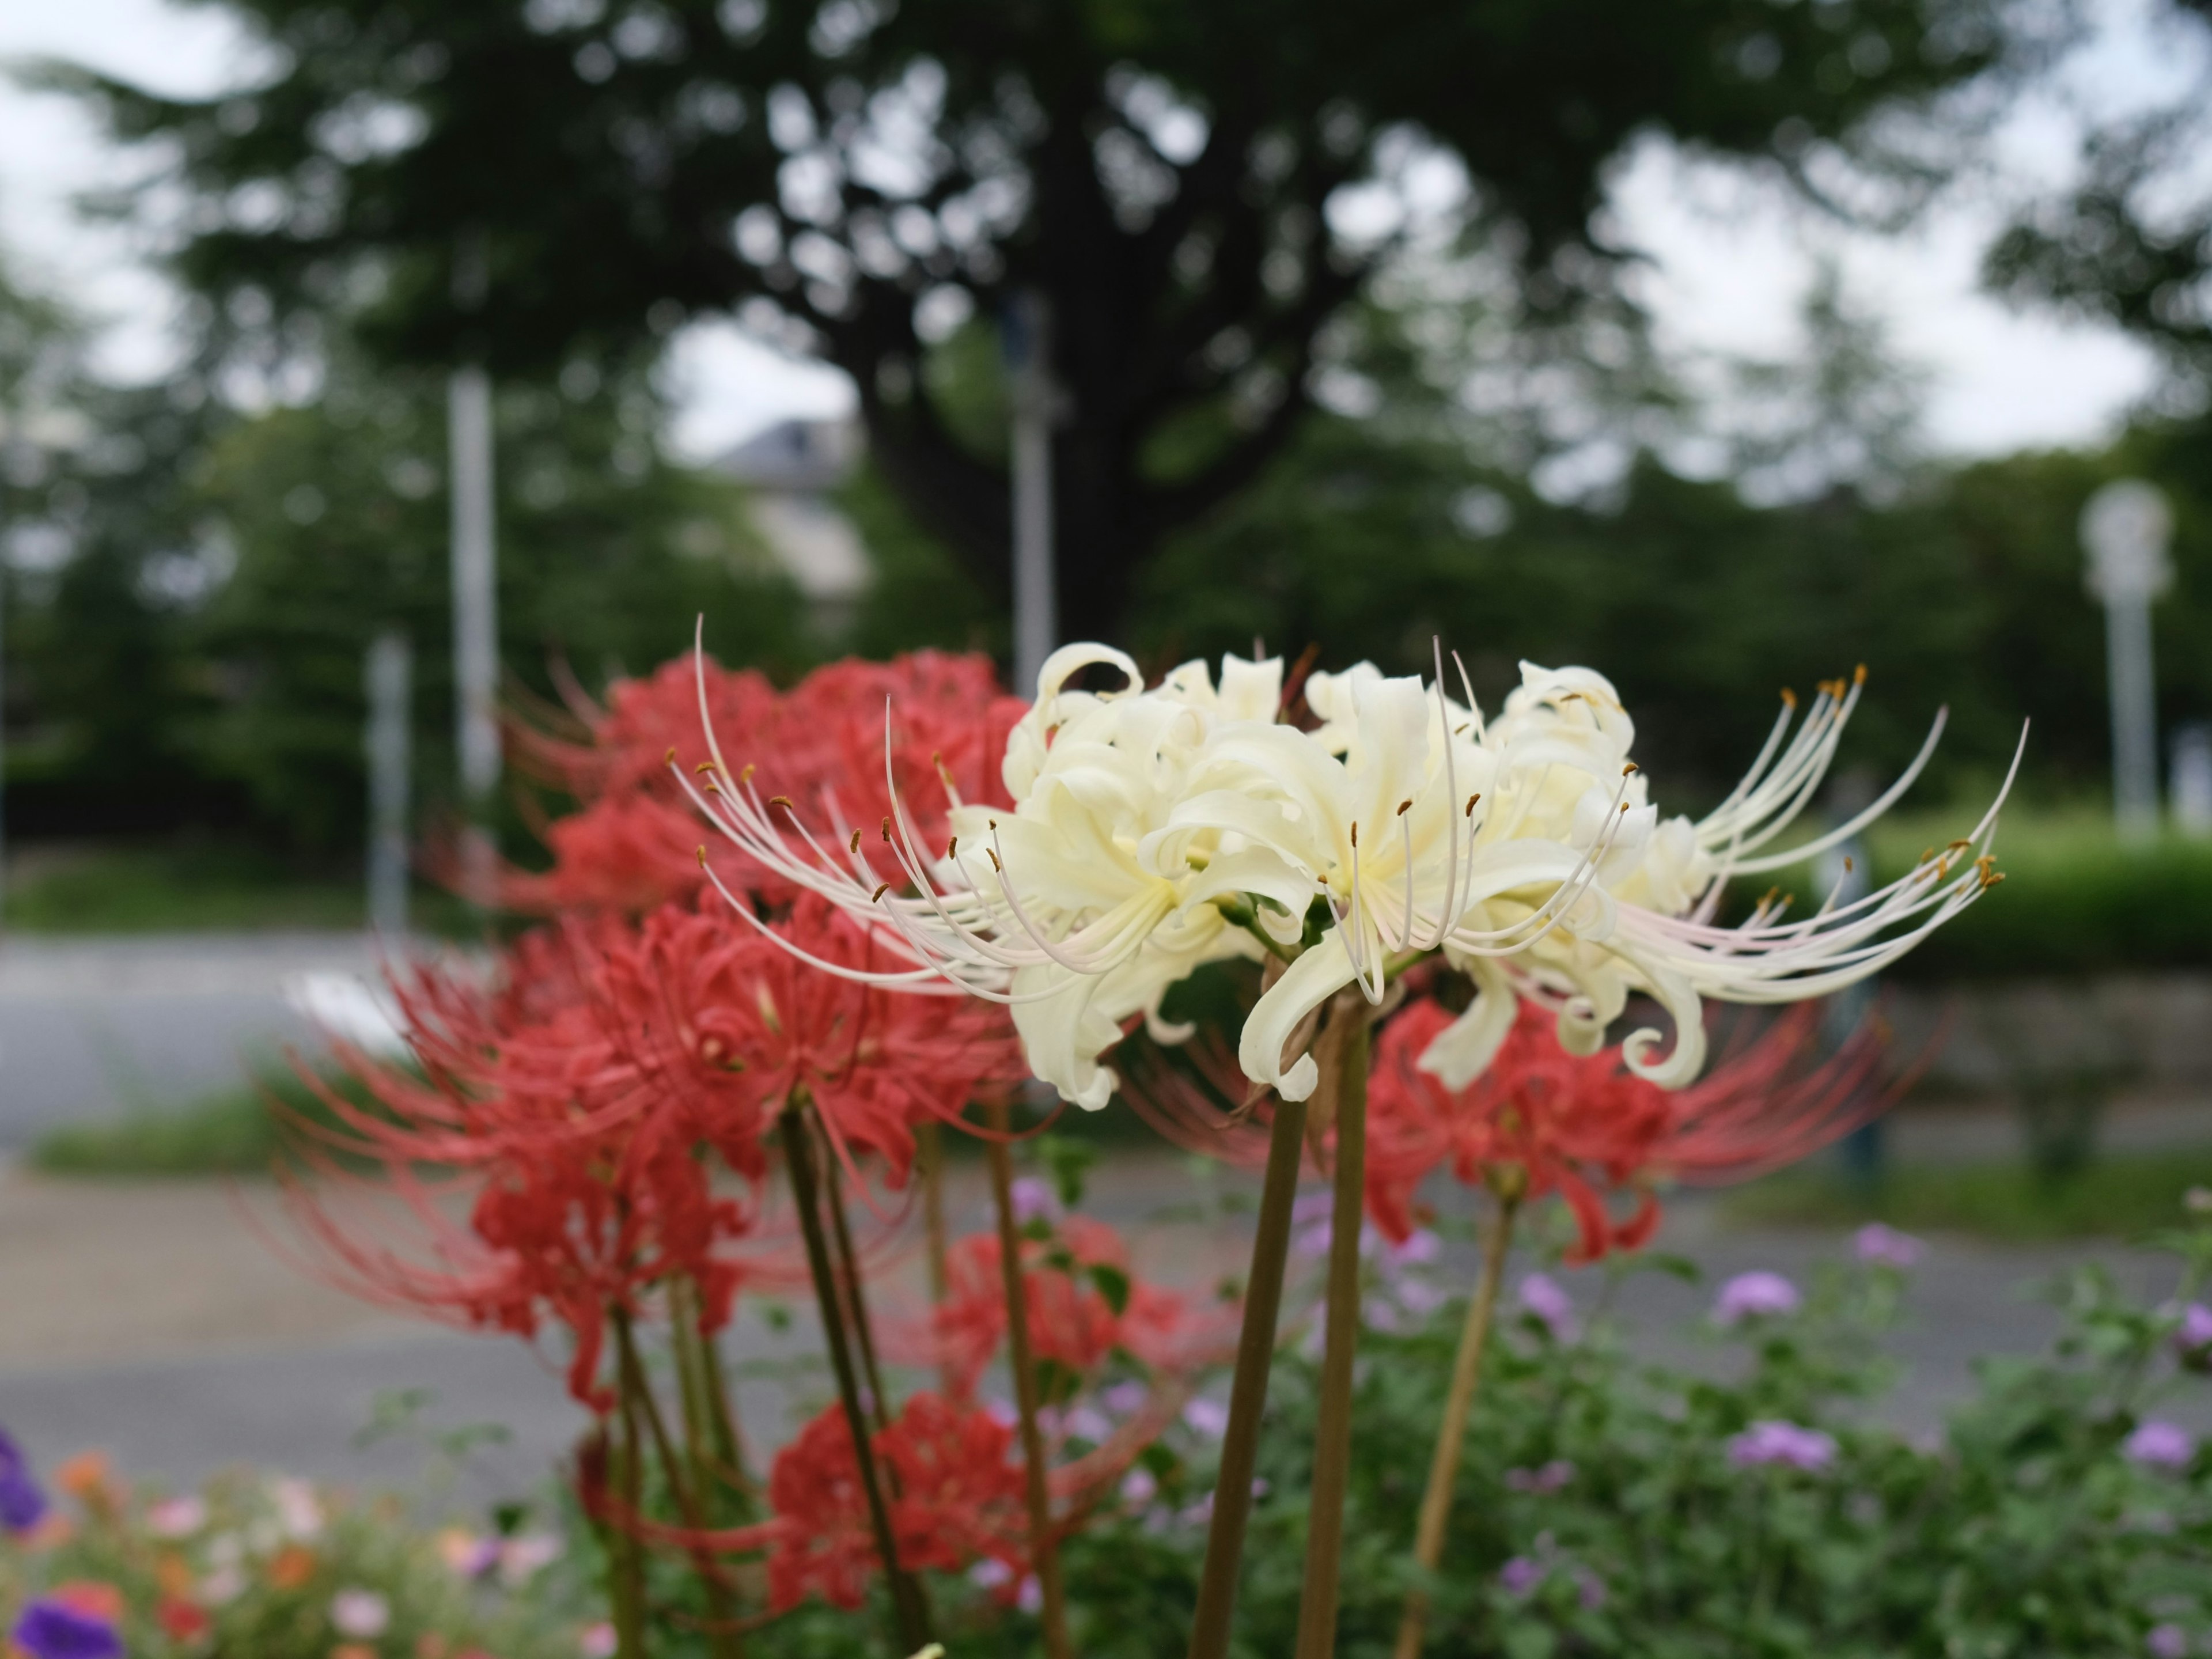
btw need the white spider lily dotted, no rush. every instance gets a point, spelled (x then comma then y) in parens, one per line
(1156, 830)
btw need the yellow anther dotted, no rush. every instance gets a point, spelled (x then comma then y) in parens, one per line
(1858, 674)
(1850, 864)
(855, 845)
(887, 828)
(703, 858)
(703, 766)
(1628, 770)
(671, 755)
(1404, 807)
(746, 776)
(993, 857)
(784, 801)
(1788, 698)
(881, 890)
(952, 846)
(1471, 800)
(712, 788)
(1355, 833)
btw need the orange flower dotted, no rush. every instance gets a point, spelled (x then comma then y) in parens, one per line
(429, 1646)
(291, 1567)
(353, 1650)
(84, 1476)
(173, 1573)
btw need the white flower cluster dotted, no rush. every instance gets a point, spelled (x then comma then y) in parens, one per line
(1156, 829)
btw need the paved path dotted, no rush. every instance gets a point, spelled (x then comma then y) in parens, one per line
(92, 1027)
(155, 1321)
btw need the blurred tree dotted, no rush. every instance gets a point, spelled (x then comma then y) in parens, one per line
(1197, 189)
(2131, 238)
(331, 518)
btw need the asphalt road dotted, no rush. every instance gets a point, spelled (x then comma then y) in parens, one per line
(91, 1027)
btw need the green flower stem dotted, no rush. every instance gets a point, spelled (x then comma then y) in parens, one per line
(1044, 1547)
(856, 1305)
(1248, 1393)
(1331, 1464)
(625, 1553)
(909, 1611)
(1451, 1432)
(723, 1640)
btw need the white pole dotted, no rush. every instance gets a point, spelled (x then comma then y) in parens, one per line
(2125, 527)
(389, 677)
(2135, 716)
(476, 615)
(3, 740)
(1029, 362)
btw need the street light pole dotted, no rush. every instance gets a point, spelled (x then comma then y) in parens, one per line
(389, 674)
(2125, 527)
(1035, 400)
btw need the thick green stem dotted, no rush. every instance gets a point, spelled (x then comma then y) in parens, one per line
(1331, 1464)
(1451, 1432)
(929, 1157)
(1044, 1548)
(1248, 1392)
(910, 1612)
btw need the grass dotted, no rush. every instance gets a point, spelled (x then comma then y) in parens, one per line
(233, 1130)
(2119, 1196)
(197, 887)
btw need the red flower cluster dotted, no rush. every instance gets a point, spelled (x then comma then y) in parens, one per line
(591, 1088)
(1082, 1300)
(1583, 1126)
(633, 843)
(958, 1500)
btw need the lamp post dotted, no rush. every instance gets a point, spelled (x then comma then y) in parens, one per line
(476, 586)
(2125, 527)
(388, 673)
(1026, 339)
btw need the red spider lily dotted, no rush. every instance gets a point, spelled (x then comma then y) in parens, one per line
(632, 845)
(589, 1089)
(959, 1500)
(1583, 1126)
(1073, 1323)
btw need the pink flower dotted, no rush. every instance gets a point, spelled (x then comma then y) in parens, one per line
(1755, 1295)
(361, 1613)
(1521, 1574)
(1885, 1247)
(1550, 1477)
(1785, 1443)
(1542, 1298)
(176, 1517)
(1034, 1201)
(2160, 1445)
(2167, 1641)
(1207, 1417)
(597, 1641)
(2193, 1336)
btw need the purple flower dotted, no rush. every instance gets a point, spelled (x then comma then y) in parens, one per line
(1420, 1248)
(1542, 1298)
(1208, 1417)
(1787, 1443)
(2167, 1641)
(54, 1630)
(1755, 1295)
(2160, 1445)
(2194, 1334)
(1550, 1477)
(22, 1503)
(1034, 1201)
(1885, 1247)
(1123, 1397)
(1589, 1589)
(1521, 1574)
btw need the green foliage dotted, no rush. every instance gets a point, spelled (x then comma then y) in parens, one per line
(2108, 1196)
(240, 1130)
(196, 883)
(337, 516)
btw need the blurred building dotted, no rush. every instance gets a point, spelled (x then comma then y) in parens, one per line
(793, 470)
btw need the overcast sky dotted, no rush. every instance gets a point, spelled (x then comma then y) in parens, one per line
(1727, 272)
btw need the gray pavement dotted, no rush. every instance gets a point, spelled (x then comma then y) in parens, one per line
(92, 1027)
